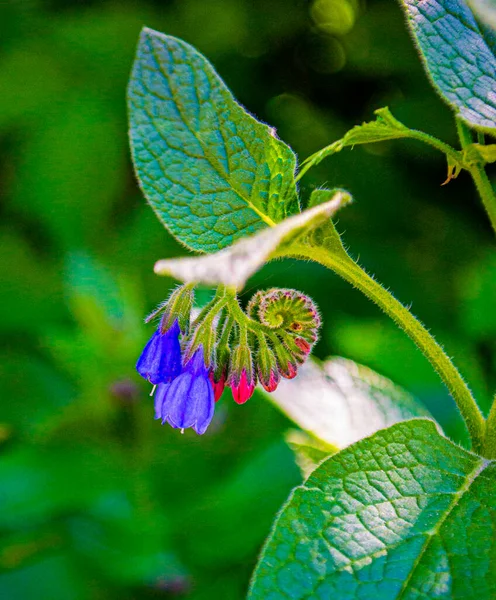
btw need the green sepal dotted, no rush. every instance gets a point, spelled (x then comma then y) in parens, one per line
(204, 335)
(286, 362)
(241, 360)
(266, 364)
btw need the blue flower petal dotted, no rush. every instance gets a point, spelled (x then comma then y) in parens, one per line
(196, 364)
(149, 360)
(160, 361)
(189, 400)
(159, 398)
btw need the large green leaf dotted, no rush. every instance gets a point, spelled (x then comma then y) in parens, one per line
(458, 57)
(211, 172)
(405, 514)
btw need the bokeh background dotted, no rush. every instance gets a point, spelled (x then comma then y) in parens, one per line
(97, 500)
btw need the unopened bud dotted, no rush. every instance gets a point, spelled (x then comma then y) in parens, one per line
(241, 377)
(267, 371)
(285, 361)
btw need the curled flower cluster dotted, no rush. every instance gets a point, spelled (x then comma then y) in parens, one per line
(191, 363)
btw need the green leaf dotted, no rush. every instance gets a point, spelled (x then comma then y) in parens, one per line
(234, 265)
(339, 402)
(211, 172)
(457, 56)
(385, 127)
(405, 514)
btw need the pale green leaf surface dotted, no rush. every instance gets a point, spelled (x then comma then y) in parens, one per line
(234, 265)
(457, 56)
(211, 172)
(402, 515)
(341, 402)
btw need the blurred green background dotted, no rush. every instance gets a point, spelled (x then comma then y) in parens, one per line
(97, 500)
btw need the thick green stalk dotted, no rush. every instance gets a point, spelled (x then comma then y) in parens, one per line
(344, 266)
(489, 449)
(479, 175)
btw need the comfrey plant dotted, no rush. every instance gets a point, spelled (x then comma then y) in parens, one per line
(391, 509)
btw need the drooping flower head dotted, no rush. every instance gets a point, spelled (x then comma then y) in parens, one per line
(189, 400)
(160, 361)
(222, 347)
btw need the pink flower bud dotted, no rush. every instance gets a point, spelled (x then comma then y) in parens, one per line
(303, 345)
(272, 383)
(218, 385)
(244, 389)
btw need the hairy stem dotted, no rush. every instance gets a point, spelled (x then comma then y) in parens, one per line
(489, 448)
(479, 175)
(344, 266)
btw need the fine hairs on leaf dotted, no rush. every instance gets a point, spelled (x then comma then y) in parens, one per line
(211, 172)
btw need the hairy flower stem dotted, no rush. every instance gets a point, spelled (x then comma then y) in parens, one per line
(489, 448)
(212, 307)
(240, 316)
(479, 175)
(349, 270)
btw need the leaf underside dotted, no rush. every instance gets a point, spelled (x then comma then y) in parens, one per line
(340, 402)
(458, 57)
(211, 172)
(234, 265)
(405, 514)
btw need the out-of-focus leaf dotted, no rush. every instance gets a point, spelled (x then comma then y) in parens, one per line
(53, 578)
(38, 483)
(25, 278)
(234, 265)
(126, 541)
(477, 293)
(71, 171)
(403, 514)
(485, 11)
(211, 172)
(34, 392)
(457, 57)
(340, 402)
(238, 512)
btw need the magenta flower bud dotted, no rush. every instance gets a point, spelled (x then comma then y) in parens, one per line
(267, 371)
(303, 345)
(290, 372)
(244, 389)
(218, 386)
(270, 384)
(286, 362)
(241, 377)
